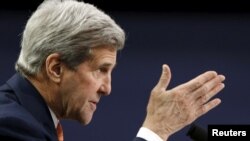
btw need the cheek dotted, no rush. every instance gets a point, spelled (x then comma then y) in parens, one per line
(78, 106)
(75, 94)
(77, 90)
(89, 86)
(73, 103)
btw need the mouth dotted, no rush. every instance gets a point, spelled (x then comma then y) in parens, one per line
(93, 105)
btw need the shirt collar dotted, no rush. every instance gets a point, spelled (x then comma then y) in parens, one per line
(54, 118)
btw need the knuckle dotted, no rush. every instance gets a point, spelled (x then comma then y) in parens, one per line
(155, 90)
(204, 98)
(197, 84)
(203, 109)
(205, 89)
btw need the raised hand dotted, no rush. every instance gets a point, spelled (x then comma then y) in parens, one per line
(170, 110)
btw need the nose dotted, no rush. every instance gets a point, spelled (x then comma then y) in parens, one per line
(105, 88)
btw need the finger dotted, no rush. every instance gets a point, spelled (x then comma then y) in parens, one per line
(197, 82)
(207, 107)
(203, 99)
(165, 77)
(211, 87)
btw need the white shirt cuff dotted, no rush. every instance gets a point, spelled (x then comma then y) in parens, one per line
(148, 135)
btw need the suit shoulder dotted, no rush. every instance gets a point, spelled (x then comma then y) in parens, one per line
(18, 124)
(12, 114)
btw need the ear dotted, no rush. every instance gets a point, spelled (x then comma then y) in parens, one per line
(53, 67)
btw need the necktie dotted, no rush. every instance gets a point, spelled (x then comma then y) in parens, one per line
(59, 132)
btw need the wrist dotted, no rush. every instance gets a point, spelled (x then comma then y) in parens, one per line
(157, 129)
(148, 135)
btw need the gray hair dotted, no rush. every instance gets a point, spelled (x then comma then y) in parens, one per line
(69, 28)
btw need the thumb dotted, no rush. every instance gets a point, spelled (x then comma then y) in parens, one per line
(165, 77)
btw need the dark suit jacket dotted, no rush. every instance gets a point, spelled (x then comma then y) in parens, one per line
(24, 115)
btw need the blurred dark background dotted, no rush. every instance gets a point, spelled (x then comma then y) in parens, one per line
(190, 37)
(146, 5)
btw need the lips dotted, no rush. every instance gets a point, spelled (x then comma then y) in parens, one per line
(93, 105)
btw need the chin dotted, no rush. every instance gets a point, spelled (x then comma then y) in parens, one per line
(85, 123)
(86, 120)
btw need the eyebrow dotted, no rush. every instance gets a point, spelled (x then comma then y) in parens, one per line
(108, 65)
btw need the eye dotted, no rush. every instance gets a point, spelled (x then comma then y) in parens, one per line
(103, 70)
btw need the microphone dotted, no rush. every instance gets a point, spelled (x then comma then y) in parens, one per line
(197, 133)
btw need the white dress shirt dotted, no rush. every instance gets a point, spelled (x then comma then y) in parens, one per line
(54, 118)
(148, 135)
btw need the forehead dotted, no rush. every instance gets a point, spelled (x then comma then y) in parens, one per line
(103, 54)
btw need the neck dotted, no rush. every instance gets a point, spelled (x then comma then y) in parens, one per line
(49, 91)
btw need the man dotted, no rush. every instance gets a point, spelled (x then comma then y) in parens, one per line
(68, 52)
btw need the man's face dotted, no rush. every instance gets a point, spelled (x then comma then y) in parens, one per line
(82, 89)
